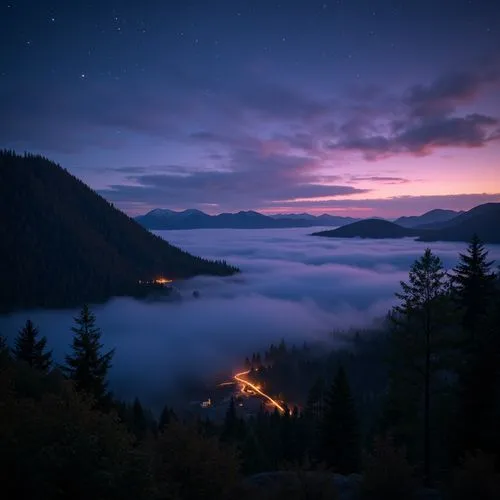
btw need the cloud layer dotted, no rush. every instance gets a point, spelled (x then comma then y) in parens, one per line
(268, 144)
(293, 286)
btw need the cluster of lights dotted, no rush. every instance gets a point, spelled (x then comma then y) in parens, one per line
(157, 281)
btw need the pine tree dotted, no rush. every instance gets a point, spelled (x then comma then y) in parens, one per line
(4, 351)
(232, 427)
(478, 372)
(418, 320)
(167, 415)
(140, 424)
(340, 444)
(31, 350)
(474, 283)
(86, 366)
(315, 400)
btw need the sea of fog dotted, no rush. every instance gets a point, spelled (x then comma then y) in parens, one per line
(293, 286)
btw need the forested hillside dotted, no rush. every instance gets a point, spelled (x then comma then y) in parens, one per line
(62, 244)
(413, 402)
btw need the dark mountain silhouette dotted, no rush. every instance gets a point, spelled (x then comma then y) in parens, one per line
(369, 228)
(434, 216)
(304, 216)
(479, 211)
(195, 219)
(62, 244)
(483, 220)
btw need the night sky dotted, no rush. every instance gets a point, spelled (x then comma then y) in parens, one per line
(348, 107)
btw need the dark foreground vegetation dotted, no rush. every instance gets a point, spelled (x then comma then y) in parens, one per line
(62, 244)
(414, 403)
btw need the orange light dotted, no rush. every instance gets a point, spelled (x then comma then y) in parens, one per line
(163, 281)
(243, 381)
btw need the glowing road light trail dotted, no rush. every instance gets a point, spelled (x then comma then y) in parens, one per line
(241, 380)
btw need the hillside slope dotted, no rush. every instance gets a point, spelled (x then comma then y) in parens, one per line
(483, 220)
(62, 244)
(434, 216)
(369, 228)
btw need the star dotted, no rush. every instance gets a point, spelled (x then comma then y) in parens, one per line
(83, 76)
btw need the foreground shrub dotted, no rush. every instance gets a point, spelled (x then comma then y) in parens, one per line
(476, 478)
(191, 466)
(59, 447)
(291, 485)
(387, 473)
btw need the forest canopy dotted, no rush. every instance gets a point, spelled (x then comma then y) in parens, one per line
(62, 244)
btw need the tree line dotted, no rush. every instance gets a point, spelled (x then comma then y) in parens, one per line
(62, 244)
(416, 402)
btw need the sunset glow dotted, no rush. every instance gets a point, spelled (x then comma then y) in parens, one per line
(249, 107)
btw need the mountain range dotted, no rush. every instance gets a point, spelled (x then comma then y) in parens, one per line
(62, 244)
(483, 220)
(160, 218)
(434, 216)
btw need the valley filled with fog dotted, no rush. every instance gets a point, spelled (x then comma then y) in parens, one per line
(292, 286)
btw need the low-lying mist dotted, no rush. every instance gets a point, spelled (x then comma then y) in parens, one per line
(293, 286)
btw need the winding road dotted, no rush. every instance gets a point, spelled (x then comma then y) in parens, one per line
(239, 378)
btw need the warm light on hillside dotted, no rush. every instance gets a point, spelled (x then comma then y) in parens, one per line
(162, 281)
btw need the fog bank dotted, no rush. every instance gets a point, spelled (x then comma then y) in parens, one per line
(293, 286)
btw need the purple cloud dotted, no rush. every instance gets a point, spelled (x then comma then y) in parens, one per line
(250, 179)
(443, 95)
(379, 178)
(421, 138)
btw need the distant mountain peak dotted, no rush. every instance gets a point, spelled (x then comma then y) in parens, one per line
(244, 219)
(160, 212)
(192, 211)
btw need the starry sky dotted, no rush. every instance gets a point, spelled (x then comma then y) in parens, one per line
(349, 107)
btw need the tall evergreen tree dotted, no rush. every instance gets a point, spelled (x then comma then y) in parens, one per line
(167, 415)
(139, 422)
(4, 351)
(31, 349)
(474, 283)
(478, 371)
(86, 366)
(312, 417)
(232, 429)
(340, 444)
(418, 321)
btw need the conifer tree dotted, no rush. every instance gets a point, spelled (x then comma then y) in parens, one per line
(140, 424)
(86, 366)
(474, 283)
(478, 372)
(4, 351)
(418, 320)
(340, 444)
(167, 415)
(31, 349)
(232, 427)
